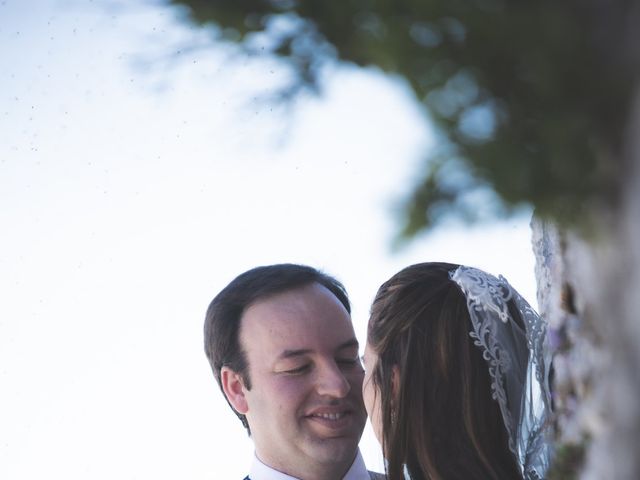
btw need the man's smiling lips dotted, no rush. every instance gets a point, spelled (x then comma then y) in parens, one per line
(331, 418)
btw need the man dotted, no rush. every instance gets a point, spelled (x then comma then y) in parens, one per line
(283, 350)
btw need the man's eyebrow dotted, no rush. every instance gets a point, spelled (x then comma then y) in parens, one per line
(349, 344)
(294, 353)
(305, 351)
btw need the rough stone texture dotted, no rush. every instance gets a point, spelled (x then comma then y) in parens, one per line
(577, 355)
(589, 291)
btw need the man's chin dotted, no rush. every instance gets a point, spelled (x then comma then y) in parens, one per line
(334, 440)
(334, 449)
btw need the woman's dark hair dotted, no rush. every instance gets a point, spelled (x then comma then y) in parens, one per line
(222, 322)
(443, 422)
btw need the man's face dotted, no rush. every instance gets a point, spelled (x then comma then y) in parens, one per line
(305, 405)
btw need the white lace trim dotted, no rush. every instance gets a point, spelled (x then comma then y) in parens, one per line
(518, 363)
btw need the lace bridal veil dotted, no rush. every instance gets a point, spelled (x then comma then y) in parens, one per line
(518, 360)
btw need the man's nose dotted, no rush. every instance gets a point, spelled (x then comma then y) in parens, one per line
(332, 382)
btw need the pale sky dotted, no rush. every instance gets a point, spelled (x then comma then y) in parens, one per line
(138, 176)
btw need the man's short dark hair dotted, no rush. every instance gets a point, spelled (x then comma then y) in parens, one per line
(222, 322)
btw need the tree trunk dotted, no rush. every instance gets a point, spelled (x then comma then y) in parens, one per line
(589, 290)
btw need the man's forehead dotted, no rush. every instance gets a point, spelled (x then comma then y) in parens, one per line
(298, 319)
(298, 332)
(296, 296)
(308, 300)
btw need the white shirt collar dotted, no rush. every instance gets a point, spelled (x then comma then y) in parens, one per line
(260, 471)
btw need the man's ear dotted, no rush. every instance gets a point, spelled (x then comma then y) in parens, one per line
(234, 389)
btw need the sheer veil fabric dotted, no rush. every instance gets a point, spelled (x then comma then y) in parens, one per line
(518, 360)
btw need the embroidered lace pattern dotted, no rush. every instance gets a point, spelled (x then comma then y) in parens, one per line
(518, 363)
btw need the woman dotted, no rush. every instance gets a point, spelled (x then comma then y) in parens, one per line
(456, 380)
